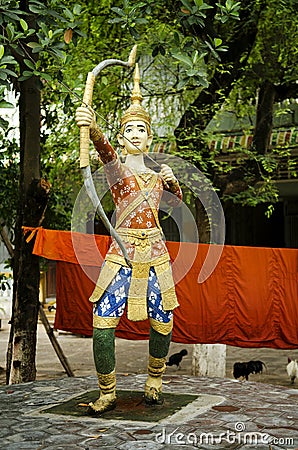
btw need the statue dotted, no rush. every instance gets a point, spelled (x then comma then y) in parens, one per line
(146, 289)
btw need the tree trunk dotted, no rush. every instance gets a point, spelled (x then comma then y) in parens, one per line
(32, 202)
(211, 99)
(264, 117)
(202, 222)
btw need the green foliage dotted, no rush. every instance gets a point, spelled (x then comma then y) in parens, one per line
(60, 168)
(5, 63)
(194, 13)
(9, 168)
(59, 165)
(230, 10)
(174, 34)
(265, 192)
(189, 41)
(40, 31)
(34, 43)
(193, 71)
(129, 17)
(275, 55)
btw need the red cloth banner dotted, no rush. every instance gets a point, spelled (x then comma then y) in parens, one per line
(250, 299)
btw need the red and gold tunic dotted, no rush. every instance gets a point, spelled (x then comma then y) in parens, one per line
(137, 197)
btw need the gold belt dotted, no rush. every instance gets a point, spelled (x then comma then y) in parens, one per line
(140, 237)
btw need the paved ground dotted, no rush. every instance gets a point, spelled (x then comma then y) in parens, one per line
(227, 414)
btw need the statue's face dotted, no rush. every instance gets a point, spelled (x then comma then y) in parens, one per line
(135, 137)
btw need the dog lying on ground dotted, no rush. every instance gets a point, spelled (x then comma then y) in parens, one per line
(292, 369)
(244, 369)
(176, 358)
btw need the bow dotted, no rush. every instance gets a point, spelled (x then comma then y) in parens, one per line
(84, 147)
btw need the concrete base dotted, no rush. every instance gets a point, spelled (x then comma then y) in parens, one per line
(252, 416)
(131, 406)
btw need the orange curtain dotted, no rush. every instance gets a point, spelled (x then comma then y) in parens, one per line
(250, 299)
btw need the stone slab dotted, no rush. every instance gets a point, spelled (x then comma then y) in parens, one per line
(131, 406)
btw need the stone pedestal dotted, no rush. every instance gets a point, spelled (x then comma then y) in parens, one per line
(209, 360)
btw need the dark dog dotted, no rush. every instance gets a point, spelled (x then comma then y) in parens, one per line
(176, 358)
(244, 369)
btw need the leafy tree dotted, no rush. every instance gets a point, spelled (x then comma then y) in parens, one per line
(228, 54)
(213, 55)
(31, 33)
(200, 56)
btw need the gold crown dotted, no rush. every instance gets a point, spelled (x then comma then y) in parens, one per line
(136, 110)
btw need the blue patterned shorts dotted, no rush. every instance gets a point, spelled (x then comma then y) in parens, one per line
(112, 303)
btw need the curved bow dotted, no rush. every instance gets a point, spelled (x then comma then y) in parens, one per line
(84, 147)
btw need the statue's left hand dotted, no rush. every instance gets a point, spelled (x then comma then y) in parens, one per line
(167, 174)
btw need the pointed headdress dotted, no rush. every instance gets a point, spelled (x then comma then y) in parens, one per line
(136, 110)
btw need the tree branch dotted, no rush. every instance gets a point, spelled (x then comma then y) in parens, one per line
(5, 238)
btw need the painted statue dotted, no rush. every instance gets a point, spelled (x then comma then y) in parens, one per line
(146, 289)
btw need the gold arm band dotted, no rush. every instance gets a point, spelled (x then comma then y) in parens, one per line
(156, 366)
(160, 327)
(107, 382)
(105, 322)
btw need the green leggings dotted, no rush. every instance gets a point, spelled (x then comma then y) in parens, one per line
(104, 347)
